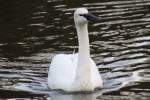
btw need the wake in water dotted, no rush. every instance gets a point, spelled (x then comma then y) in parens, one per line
(112, 82)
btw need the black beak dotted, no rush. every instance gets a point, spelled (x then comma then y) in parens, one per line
(91, 17)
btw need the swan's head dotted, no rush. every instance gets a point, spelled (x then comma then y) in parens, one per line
(81, 16)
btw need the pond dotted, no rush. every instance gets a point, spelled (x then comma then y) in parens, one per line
(33, 31)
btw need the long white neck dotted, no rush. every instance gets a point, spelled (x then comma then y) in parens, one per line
(83, 71)
(83, 38)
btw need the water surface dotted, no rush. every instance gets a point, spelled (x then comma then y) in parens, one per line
(32, 32)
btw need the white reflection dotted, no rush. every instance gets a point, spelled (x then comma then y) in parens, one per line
(73, 97)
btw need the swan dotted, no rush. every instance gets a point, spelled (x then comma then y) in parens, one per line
(76, 72)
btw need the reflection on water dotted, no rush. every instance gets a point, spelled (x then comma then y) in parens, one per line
(73, 97)
(32, 32)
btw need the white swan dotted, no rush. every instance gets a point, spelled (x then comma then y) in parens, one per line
(76, 72)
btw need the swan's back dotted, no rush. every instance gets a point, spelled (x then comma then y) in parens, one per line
(62, 71)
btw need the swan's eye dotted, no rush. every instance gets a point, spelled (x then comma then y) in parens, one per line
(82, 15)
(90, 17)
(86, 16)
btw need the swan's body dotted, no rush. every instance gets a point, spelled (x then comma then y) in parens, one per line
(76, 72)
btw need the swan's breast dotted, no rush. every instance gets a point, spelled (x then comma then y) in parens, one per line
(62, 71)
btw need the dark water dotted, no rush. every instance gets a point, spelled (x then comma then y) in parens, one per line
(33, 31)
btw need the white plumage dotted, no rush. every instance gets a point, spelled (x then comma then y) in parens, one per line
(76, 72)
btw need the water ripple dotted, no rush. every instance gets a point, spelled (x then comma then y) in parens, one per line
(34, 32)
